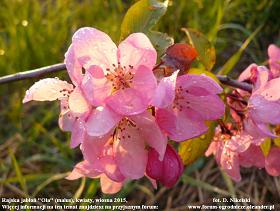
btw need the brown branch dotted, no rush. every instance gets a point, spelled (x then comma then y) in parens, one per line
(59, 67)
(32, 73)
(233, 83)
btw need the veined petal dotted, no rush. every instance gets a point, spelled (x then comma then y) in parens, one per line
(165, 92)
(48, 89)
(78, 133)
(66, 117)
(101, 121)
(74, 68)
(94, 47)
(151, 132)
(137, 50)
(95, 86)
(210, 107)
(230, 163)
(127, 102)
(93, 149)
(82, 169)
(181, 125)
(130, 153)
(77, 102)
(258, 131)
(205, 84)
(264, 111)
(145, 82)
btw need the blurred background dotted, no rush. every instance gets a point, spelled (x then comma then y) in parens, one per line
(35, 155)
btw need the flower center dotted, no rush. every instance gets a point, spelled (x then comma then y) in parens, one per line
(121, 130)
(121, 76)
(180, 101)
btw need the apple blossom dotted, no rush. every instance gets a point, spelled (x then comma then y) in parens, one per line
(185, 102)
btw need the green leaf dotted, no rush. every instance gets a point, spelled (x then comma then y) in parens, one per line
(193, 149)
(229, 65)
(206, 51)
(161, 41)
(142, 17)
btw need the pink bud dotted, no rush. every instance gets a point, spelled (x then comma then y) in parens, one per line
(167, 171)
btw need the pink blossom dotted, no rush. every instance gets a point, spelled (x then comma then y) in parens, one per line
(128, 140)
(167, 171)
(118, 77)
(74, 107)
(274, 60)
(263, 107)
(185, 102)
(226, 149)
(259, 109)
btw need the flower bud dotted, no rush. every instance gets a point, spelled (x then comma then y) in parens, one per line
(167, 171)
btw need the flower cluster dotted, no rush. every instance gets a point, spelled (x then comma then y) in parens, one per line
(256, 118)
(122, 114)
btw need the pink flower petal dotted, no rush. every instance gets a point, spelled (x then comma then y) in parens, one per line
(94, 47)
(239, 143)
(95, 87)
(274, 59)
(248, 73)
(145, 81)
(253, 156)
(111, 169)
(73, 66)
(77, 102)
(270, 90)
(258, 131)
(272, 164)
(180, 126)
(151, 132)
(264, 111)
(48, 89)
(78, 133)
(154, 165)
(127, 102)
(230, 163)
(66, 117)
(82, 169)
(93, 148)
(130, 153)
(137, 50)
(109, 186)
(192, 83)
(210, 107)
(165, 92)
(101, 121)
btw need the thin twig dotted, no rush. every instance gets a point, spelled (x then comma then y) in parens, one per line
(32, 73)
(233, 83)
(59, 67)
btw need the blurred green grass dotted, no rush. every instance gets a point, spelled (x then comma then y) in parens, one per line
(37, 33)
